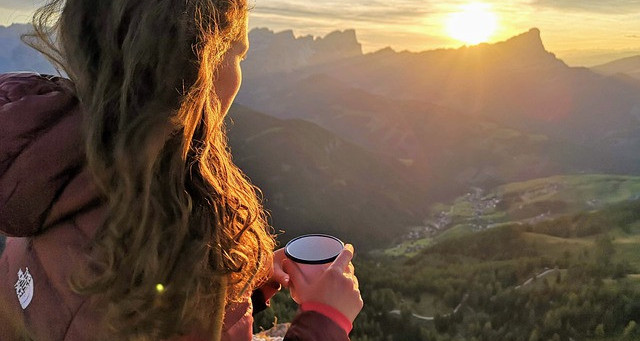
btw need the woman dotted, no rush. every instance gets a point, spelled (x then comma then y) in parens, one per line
(129, 219)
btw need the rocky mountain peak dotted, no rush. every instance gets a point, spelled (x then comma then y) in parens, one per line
(286, 52)
(523, 50)
(529, 41)
(345, 41)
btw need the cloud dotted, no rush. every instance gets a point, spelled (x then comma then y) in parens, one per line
(17, 11)
(320, 16)
(596, 6)
(382, 12)
(403, 24)
(22, 5)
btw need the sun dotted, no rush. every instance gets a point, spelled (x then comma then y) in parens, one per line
(475, 23)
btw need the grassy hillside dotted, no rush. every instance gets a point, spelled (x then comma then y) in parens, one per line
(542, 199)
(571, 198)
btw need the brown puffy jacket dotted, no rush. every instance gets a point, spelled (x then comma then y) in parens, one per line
(49, 209)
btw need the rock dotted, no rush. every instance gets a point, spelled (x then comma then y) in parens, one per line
(274, 334)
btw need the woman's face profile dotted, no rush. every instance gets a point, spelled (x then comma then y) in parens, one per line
(229, 73)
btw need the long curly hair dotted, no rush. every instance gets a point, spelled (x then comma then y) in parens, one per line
(185, 233)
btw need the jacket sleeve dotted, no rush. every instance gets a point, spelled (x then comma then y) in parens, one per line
(258, 301)
(313, 326)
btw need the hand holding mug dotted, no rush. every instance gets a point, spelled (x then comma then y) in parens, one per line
(334, 285)
(277, 277)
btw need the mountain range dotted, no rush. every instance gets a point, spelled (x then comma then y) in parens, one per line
(626, 67)
(16, 56)
(479, 115)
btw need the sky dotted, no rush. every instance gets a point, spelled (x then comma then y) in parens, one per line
(581, 32)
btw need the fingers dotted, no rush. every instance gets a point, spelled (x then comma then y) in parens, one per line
(351, 274)
(344, 258)
(296, 277)
(334, 284)
(279, 275)
(350, 269)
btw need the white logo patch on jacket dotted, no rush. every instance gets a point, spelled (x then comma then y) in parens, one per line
(24, 288)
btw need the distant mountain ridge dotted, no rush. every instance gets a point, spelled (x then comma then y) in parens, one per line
(286, 53)
(629, 66)
(517, 79)
(16, 56)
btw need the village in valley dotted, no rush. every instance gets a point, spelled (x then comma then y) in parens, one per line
(520, 203)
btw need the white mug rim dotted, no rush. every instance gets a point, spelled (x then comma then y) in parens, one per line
(313, 261)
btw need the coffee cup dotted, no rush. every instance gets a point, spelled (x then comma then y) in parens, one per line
(312, 254)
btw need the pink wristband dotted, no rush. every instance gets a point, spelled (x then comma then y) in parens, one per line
(330, 312)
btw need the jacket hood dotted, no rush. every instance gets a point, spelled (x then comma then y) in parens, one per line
(42, 173)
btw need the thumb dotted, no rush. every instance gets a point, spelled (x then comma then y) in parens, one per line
(296, 277)
(341, 263)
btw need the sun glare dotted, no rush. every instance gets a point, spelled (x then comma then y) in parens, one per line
(475, 23)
